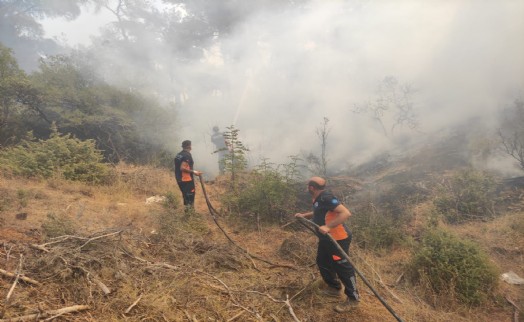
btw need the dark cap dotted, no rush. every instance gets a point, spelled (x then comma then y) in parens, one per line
(186, 144)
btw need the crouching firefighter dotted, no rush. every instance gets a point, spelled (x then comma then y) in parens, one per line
(329, 214)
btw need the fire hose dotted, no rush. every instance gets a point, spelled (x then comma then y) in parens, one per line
(214, 213)
(314, 228)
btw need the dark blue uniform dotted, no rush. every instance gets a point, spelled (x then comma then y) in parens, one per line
(330, 262)
(184, 179)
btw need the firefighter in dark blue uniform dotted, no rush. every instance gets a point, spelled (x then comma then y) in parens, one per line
(329, 214)
(184, 174)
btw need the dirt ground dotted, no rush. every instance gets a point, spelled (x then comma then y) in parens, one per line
(127, 260)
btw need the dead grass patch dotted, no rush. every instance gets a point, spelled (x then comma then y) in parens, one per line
(191, 271)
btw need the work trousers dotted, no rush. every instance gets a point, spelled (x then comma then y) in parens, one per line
(334, 268)
(188, 192)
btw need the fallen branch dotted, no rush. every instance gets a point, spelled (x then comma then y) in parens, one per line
(285, 225)
(98, 237)
(515, 311)
(254, 313)
(229, 291)
(298, 293)
(286, 302)
(22, 277)
(18, 272)
(236, 316)
(63, 238)
(399, 279)
(7, 252)
(95, 278)
(46, 314)
(39, 247)
(190, 317)
(163, 264)
(102, 286)
(56, 240)
(133, 305)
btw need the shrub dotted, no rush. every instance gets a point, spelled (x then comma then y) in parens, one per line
(22, 197)
(55, 226)
(378, 220)
(262, 196)
(467, 196)
(453, 268)
(176, 221)
(171, 202)
(375, 230)
(60, 155)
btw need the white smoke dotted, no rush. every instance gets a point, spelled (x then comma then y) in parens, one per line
(278, 74)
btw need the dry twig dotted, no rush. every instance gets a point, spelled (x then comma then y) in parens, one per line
(22, 277)
(286, 302)
(98, 237)
(63, 238)
(298, 293)
(18, 272)
(163, 264)
(50, 313)
(229, 291)
(133, 305)
(516, 311)
(236, 316)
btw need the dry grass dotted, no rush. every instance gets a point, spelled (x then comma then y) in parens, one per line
(207, 278)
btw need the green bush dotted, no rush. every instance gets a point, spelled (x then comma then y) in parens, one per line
(60, 155)
(262, 196)
(171, 202)
(469, 195)
(453, 268)
(55, 226)
(176, 223)
(378, 220)
(23, 196)
(375, 230)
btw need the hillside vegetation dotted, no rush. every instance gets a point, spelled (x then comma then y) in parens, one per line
(431, 239)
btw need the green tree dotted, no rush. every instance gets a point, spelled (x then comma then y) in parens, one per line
(235, 159)
(126, 126)
(21, 29)
(20, 102)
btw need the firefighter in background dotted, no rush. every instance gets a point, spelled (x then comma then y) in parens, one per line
(221, 148)
(184, 174)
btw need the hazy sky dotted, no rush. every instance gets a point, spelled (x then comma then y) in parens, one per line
(78, 31)
(465, 58)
